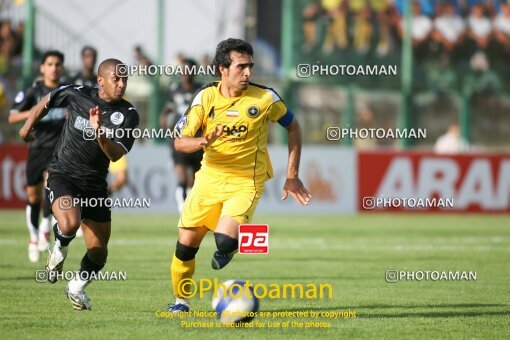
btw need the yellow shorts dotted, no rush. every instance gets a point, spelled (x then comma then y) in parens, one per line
(213, 197)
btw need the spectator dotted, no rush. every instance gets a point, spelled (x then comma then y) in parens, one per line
(336, 33)
(502, 28)
(421, 30)
(362, 27)
(449, 29)
(479, 27)
(311, 14)
(382, 12)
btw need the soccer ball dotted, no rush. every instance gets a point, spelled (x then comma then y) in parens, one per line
(234, 302)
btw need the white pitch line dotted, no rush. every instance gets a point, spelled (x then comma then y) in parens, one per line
(277, 243)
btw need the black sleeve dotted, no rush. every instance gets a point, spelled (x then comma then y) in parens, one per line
(129, 124)
(24, 100)
(60, 97)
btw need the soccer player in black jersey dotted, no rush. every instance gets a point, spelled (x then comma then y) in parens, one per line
(40, 151)
(185, 164)
(86, 76)
(96, 131)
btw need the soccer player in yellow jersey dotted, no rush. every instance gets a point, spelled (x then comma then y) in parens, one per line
(234, 116)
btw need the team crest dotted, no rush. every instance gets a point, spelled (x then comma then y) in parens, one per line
(182, 122)
(117, 118)
(19, 97)
(253, 111)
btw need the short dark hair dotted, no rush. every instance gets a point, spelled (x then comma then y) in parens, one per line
(87, 47)
(222, 57)
(52, 53)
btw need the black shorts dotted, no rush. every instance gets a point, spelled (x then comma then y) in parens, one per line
(192, 160)
(59, 186)
(37, 163)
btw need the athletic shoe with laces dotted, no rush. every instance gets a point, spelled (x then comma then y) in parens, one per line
(55, 263)
(177, 308)
(80, 300)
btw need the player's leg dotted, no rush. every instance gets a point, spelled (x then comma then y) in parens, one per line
(238, 208)
(200, 214)
(44, 226)
(32, 217)
(68, 216)
(183, 264)
(68, 222)
(96, 236)
(180, 174)
(226, 237)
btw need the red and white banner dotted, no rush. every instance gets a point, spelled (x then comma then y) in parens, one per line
(12, 176)
(473, 183)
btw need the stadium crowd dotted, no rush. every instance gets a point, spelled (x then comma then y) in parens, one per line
(474, 31)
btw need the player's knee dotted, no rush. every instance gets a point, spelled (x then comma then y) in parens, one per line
(185, 253)
(33, 197)
(69, 223)
(225, 243)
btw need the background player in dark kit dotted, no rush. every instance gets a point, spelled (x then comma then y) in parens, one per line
(80, 166)
(185, 164)
(47, 132)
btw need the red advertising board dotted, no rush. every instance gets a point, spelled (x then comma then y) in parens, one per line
(12, 175)
(407, 181)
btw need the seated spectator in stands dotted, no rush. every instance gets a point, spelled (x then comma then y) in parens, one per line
(479, 27)
(502, 28)
(311, 14)
(382, 11)
(421, 30)
(336, 33)
(362, 25)
(449, 29)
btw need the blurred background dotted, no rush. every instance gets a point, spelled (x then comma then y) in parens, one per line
(452, 59)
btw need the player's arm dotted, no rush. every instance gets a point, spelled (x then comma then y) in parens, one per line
(193, 144)
(35, 114)
(23, 102)
(293, 184)
(16, 117)
(188, 125)
(114, 151)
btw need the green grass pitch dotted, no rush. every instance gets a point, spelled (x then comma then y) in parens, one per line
(351, 253)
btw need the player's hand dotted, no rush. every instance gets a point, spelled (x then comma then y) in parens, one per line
(297, 190)
(95, 117)
(211, 138)
(27, 135)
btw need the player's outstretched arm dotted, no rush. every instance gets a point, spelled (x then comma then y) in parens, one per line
(35, 114)
(112, 150)
(192, 144)
(16, 117)
(293, 184)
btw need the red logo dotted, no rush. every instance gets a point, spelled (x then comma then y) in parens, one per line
(253, 239)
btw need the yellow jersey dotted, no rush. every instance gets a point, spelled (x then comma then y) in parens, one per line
(240, 153)
(119, 166)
